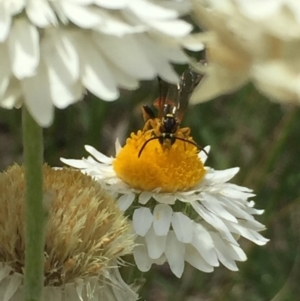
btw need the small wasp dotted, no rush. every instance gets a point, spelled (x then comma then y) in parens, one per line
(171, 104)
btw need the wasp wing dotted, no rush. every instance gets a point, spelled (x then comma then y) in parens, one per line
(168, 94)
(188, 82)
(177, 96)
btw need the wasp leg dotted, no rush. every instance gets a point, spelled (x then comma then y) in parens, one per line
(185, 131)
(151, 124)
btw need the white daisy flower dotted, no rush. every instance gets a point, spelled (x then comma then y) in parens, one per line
(53, 50)
(255, 41)
(85, 235)
(181, 211)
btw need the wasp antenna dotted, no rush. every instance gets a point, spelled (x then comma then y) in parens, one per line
(144, 145)
(193, 143)
(204, 151)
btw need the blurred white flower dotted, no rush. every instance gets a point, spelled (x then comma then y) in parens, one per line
(52, 50)
(257, 41)
(181, 211)
(85, 236)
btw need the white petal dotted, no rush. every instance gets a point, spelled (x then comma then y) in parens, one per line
(193, 257)
(40, 13)
(239, 188)
(169, 50)
(260, 240)
(235, 210)
(161, 260)
(159, 62)
(123, 79)
(62, 63)
(182, 227)
(142, 220)
(38, 98)
(140, 254)
(144, 197)
(214, 221)
(59, 48)
(175, 28)
(82, 16)
(62, 78)
(14, 283)
(222, 176)
(114, 25)
(235, 194)
(5, 22)
(164, 198)
(203, 243)
(74, 163)
(127, 54)
(97, 155)
(82, 2)
(57, 6)
(240, 254)
(162, 215)
(96, 75)
(214, 205)
(12, 94)
(227, 249)
(202, 155)
(225, 254)
(149, 10)
(125, 201)
(175, 54)
(252, 224)
(112, 4)
(155, 244)
(248, 233)
(24, 48)
(175, 251)
(192, 43)
(15, 6)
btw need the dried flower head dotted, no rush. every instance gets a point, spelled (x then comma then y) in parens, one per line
(85, 235)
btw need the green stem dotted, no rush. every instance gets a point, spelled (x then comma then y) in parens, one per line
(34, 243)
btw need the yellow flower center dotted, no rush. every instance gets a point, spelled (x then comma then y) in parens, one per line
(172, 168)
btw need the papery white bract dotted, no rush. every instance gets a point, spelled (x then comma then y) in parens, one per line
(52, 51)
(255, 41)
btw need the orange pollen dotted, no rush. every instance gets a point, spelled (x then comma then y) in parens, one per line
(172, 168)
